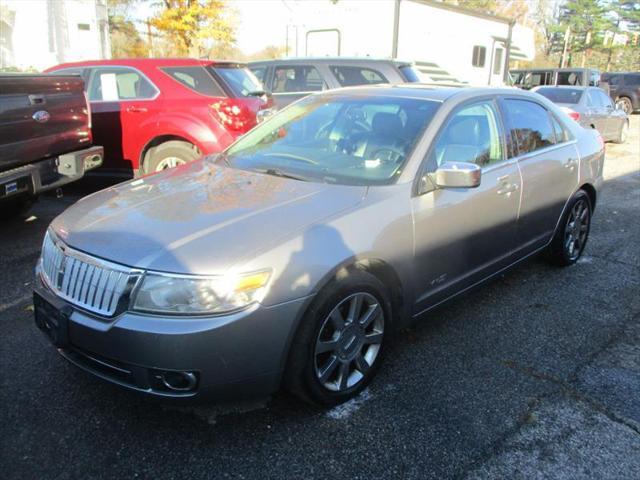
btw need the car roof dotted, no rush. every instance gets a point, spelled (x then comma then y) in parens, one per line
(332, 60)
(425, 91)
(148, 62)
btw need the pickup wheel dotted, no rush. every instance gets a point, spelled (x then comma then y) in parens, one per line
(339, 345)
(573, 232)
(170, 154)
(16, 207)
(625, 104)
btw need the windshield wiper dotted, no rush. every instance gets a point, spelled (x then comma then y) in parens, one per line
(256, 93)
(279, 173)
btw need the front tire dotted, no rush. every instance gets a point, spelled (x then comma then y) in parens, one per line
(340, 344)
(571, 237)
(169, 155)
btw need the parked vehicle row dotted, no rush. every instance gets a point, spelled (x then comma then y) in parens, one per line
(622, 87)
(45, 137)
(289, 258)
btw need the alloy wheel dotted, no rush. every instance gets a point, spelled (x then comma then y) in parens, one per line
(577, 229)
(349, 342)
(169, 162)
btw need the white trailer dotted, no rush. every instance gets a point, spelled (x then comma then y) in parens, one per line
(448, 43)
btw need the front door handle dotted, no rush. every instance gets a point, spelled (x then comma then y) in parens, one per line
(506, 187)
(137, 109)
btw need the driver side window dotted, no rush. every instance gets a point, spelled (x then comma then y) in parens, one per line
(472, 135)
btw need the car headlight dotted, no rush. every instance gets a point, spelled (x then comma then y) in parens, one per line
(184, 294)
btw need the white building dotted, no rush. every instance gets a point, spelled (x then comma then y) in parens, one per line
(36, 34)
(447, 42)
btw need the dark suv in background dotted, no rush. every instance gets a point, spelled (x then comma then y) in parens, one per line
(624, 89)
(292, 79)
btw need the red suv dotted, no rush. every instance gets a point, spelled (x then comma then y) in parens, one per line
(151, 114)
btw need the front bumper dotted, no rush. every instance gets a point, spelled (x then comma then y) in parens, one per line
(232, 356)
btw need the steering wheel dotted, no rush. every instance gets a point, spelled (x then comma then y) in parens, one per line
(389, 155)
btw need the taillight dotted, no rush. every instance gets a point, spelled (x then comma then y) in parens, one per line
(88, 110)
(235, 114)
(573, 114)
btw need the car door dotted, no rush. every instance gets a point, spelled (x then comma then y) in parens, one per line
(293, 82)
(123, 100)
(463, 234)
(596, 114)
(611, 117)
(548, 161)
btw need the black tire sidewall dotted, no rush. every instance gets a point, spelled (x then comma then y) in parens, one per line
(174, 148)
(301, 378)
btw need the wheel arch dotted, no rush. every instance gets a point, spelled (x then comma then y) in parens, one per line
(591, 192)
(159, 140)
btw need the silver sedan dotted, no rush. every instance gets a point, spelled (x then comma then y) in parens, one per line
(591, 107)
(288, 259)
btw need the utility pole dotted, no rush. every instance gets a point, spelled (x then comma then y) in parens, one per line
(567, 35)
(586, 49)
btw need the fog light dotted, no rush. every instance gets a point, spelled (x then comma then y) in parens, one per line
(179, 381)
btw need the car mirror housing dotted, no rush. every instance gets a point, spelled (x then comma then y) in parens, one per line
(457, 175)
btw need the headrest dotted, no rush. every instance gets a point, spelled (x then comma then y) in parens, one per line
(385, 123)
(465, 132)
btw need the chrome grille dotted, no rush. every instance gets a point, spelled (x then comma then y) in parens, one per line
(88, 282)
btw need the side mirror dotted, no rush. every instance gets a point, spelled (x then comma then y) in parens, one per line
(457, 175)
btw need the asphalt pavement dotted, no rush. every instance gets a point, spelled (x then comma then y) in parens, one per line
(535, 375)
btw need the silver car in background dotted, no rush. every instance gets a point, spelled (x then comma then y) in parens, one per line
(289, 258)
(591, 107)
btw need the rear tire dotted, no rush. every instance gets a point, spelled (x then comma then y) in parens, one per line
(623, 134)
(573, 232)
(170, 154)
(348, 323)
(625, 104)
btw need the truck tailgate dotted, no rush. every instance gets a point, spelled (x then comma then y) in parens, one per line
(41, 116)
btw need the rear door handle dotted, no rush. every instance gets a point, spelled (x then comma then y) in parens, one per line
(137, 109)
(571, 164)
(506, 187)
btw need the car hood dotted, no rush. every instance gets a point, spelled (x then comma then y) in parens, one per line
(199, 218)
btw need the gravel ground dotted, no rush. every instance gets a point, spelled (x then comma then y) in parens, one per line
(535, 375)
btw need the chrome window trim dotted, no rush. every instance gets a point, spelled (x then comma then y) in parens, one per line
(123, 67)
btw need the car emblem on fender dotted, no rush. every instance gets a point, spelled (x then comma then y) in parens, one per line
(41, 116)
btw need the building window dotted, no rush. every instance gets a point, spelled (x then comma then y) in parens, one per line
(479, 56)
(84, 26)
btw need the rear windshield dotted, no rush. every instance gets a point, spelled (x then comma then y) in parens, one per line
(561, 95)
(411, 74)
(195, 78)
(240, 80)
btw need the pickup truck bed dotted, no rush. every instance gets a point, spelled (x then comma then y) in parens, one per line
(45, 136)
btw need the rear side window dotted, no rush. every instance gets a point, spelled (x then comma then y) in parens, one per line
(593, 100)
(529, 125)
(539, 78)
(241, 81)
(299, 78)
(350, 76)
(196, 79)
(569, 78)
(605, 100)
(110, 84)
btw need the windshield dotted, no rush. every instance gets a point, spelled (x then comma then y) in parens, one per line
(342, 140)
(561, 95)
(241, 80)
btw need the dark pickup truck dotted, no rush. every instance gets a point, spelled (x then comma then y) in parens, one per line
(45, 137)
